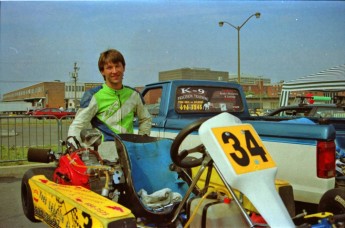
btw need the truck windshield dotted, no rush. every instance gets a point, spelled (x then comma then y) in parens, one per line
(201, 99)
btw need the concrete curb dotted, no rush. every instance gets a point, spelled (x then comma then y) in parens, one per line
(19, 170)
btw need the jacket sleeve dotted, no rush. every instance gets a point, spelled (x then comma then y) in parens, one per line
(83, 118)
(144, 118)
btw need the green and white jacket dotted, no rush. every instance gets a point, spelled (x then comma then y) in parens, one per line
(111, 111)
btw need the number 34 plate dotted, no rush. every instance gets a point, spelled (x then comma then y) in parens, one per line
(243, 148)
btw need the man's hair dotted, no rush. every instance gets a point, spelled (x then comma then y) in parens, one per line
(111, 55)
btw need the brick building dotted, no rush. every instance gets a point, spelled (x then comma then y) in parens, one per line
(51, 94)
(44, 94)
(259, 91)
(193, 74)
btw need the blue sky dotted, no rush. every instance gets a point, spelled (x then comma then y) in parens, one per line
(40, 41)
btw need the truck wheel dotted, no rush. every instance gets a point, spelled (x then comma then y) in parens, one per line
(26, 194)
(333, 201)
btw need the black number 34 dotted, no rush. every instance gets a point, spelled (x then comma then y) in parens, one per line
(251, 144)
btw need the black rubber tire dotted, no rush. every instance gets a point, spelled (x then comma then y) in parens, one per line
(26, 194)
(39, 155)
(333, 201)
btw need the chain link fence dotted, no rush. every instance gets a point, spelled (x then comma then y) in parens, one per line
(18, 133)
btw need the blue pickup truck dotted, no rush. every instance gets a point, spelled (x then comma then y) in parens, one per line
(303, 152)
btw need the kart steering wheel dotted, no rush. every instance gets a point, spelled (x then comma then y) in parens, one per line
(180, 158)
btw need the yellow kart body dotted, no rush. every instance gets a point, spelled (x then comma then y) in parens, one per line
(74, 206)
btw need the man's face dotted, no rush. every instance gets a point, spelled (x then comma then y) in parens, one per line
(113, 74)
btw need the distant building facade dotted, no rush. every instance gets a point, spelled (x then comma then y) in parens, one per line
(193, 74)
(51, 94)
(259, 91)
(250, 79)
(44, 94)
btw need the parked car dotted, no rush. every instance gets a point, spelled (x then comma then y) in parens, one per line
(51, 113)
(311, 110)
(71, 110)
(29, 112)
(305, 109)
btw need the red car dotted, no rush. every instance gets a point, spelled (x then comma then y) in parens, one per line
(51, 113)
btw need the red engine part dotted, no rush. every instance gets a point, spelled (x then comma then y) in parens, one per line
(310, 98)
(71, 171)
(256, 218)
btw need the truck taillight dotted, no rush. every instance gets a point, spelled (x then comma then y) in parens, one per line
(325, 159)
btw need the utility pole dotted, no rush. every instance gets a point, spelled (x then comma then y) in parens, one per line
(75, 78)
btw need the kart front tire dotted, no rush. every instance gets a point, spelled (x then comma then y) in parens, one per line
(26, 194)
(27, 201)
(333, 201)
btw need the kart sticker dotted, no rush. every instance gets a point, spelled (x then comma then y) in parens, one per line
(243, 148)
(72, 206)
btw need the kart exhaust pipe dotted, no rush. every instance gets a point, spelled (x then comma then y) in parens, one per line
(40, 155)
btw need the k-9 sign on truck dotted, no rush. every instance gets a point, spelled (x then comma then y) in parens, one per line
(304, 153)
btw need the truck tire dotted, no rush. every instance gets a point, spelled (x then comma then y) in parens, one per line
(333, 201)
(26, 194)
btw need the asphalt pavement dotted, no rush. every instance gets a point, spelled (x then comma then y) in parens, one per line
(11, 212)
(19, 170)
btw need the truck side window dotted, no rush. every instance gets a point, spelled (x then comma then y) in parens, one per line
(152, 100)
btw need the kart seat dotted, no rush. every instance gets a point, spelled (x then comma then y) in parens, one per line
(145, 162)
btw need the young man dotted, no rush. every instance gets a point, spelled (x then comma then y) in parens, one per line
(111, 108)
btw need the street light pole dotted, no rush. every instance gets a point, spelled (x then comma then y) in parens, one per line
(238, 28)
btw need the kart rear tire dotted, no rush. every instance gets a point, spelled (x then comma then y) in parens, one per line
(333, 201)
(26, 194)
(39, 155)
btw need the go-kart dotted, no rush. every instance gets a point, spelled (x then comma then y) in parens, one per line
(148, 187)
